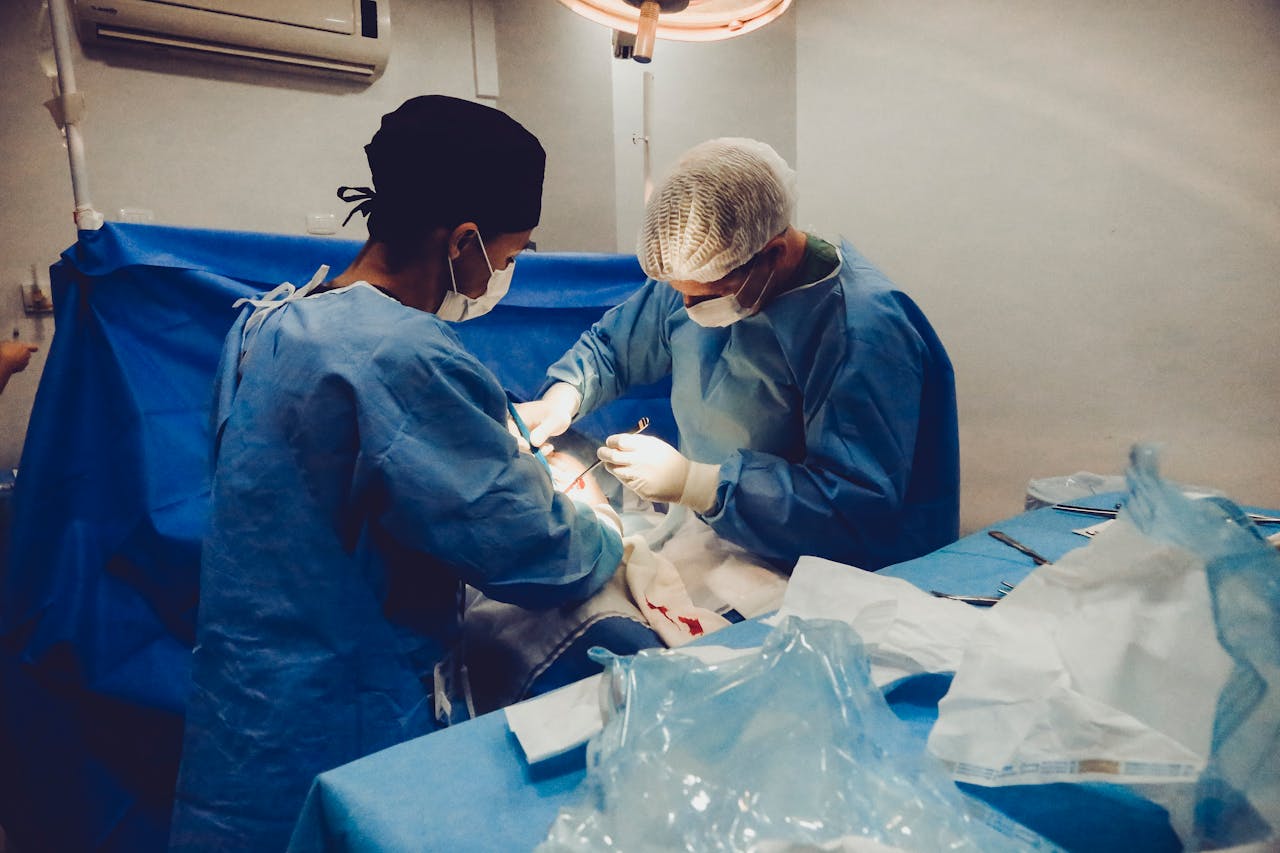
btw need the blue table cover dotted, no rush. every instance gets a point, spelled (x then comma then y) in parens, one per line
(98, 594)
(469, 788)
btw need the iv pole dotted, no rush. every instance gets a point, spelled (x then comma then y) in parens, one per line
(68, 109)
(644, 138)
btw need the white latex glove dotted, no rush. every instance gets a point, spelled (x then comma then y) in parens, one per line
(523, 443)
(656, 471)
(550, 415)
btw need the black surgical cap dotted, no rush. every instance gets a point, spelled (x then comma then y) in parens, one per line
(440, 161)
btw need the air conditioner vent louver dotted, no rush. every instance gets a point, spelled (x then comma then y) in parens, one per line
(115, 34)
(343, 38)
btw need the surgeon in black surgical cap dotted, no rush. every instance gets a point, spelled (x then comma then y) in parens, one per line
(363, 472)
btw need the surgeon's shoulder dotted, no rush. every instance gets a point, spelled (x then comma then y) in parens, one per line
(876, 312)
(419, 344)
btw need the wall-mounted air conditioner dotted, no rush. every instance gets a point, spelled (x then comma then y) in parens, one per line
(345, 38)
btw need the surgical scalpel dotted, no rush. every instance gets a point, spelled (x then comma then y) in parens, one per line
(1001, 536)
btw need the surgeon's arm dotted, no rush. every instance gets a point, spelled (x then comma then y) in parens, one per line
(627, 346)
(457, 487)
(844, 500)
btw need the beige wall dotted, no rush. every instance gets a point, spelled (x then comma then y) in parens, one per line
(1085, 198)
(554, 71)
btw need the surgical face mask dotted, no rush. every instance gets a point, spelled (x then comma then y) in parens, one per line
(726, 310)
(458, 307)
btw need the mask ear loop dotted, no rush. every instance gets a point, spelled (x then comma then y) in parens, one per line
(755, 306)
(745, 282)
(484, 252)
(453, 282)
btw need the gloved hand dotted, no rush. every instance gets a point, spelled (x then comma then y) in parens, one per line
(550, 415)
(522, 442)
(656, 471)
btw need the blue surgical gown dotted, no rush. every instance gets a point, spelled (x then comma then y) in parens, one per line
(363, 469)
(831, 412)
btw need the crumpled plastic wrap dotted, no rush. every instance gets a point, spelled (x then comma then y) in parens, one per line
(1237, 797)
(788, 749)
(1047, 491)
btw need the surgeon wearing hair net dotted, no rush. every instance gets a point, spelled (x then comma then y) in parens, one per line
(363, 471)
(816, 405)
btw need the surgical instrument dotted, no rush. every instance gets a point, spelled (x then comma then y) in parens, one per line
(1087, 510)
(1001, 536)
(1256, 518)
(977, 600)
(641, 426)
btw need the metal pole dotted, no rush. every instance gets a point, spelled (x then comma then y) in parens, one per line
(646, 130)
(72, 111)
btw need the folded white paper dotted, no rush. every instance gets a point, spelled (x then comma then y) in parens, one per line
(906, 630)
(556, 722)
(1104, 665)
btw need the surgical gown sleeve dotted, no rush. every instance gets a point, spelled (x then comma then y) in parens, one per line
(843, 500)
(452, 482)
(627, 346)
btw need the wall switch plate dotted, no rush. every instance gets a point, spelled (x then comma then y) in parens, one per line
(322, 223)
(135, 214)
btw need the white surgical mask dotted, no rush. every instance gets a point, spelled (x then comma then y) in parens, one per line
(726, 310)
(458, 307)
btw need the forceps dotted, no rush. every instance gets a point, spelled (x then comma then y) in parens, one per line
(641, 426)
(979, 600)
(1256, 518)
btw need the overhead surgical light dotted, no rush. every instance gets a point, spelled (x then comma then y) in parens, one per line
(636, 23)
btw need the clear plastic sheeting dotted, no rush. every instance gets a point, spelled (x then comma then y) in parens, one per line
(1047, 491)
(788, 749)
(1237, 797)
